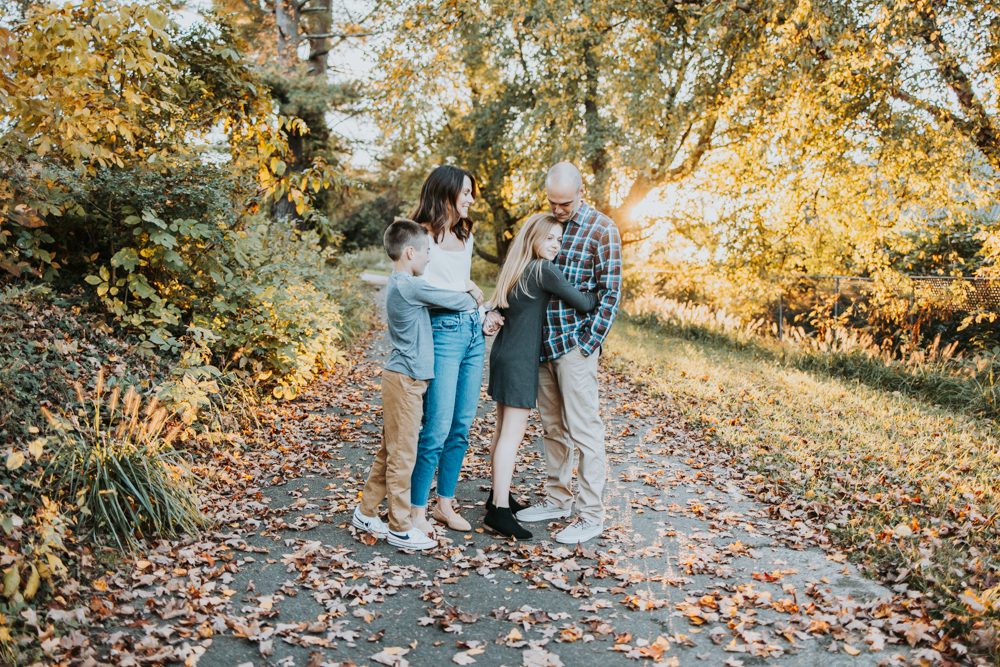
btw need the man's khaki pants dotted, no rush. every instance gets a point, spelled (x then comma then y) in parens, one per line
(402, 408)
(571, 422)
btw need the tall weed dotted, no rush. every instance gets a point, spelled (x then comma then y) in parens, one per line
(113, 457)
(938, 373)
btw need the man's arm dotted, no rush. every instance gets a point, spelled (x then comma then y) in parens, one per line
(608, 271)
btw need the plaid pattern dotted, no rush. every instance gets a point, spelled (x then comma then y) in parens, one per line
(591, 259)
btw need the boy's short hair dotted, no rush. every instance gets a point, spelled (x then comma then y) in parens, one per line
(401, 233)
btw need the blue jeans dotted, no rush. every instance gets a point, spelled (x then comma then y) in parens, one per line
(449, 404)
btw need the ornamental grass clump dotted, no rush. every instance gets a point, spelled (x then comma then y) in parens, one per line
(114, 457)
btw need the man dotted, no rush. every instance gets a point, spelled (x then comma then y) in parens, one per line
(567, 378)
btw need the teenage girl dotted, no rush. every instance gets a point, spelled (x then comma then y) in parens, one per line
(527, 281)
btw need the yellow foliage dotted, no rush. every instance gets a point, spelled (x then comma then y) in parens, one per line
(106, 83)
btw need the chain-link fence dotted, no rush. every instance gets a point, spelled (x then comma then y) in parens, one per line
(917, 301)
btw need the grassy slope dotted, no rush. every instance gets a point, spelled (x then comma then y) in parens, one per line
(909, 487)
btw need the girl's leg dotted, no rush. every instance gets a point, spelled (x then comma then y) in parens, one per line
(512, 428)
(498, 424)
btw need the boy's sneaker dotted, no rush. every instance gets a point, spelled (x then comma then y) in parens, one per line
(580, 530)
(373, 525)
(543, 511)
(414, 539)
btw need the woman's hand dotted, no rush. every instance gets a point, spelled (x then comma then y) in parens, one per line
(474, 290)
(492, 323)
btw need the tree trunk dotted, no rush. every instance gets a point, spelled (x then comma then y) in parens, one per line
(319, 47)
(595, 150)
(296, 21)
(286, 16)
(503, 232)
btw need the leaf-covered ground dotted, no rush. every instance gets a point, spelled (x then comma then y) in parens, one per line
(689, 570)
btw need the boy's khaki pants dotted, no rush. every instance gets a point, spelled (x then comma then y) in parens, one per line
(402, 409)
(571, 422)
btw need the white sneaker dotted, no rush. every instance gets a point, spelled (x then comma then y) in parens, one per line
(543, 511)
(580, 530)
(414, 539)
(373, 525)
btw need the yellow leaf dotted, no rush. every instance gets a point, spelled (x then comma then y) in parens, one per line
(11, 581)
(850, 650)
(973, 601)
(32, 586)
(36, 446)
(15, 460)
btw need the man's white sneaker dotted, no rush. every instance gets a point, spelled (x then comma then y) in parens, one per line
(414, 539)
(543, 511)
(373, 525)
(580, 530)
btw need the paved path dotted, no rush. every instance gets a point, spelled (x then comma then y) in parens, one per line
(690, 571)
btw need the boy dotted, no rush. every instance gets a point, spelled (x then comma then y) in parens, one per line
(404, 381)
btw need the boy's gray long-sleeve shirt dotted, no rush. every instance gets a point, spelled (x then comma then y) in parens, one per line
(406, 301)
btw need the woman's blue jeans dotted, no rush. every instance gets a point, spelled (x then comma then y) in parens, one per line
(450, 404)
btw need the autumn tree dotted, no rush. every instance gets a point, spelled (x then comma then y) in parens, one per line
(827, 131)
(291, 42)
(630, 91)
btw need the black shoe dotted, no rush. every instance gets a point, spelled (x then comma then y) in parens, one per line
(502, 520)
(515, 506)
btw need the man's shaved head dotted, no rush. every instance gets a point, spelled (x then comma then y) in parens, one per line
(563, 177)
(564, 188)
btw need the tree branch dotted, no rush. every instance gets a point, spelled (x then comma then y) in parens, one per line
(940, 113)
(338, 35)
(980, 127)
(492, 259)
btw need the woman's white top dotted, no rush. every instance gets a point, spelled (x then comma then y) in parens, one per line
(449, 269)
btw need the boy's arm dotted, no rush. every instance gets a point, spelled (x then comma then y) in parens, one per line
(426, 294)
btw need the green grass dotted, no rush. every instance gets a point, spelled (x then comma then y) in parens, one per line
(908, 487)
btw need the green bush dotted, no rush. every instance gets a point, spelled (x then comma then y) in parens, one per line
(48, 342)
(274, 309)
(372, 258)
(254, 296)
(113, 457)
(363, 224)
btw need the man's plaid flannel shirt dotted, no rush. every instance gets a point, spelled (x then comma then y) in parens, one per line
(591, 259)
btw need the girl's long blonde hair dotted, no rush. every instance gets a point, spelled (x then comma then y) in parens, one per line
(521, 258)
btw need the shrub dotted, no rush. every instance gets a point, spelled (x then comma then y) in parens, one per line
(364, 223)
(259, 296)
(372, 258)
(273, 306)
(114, 459)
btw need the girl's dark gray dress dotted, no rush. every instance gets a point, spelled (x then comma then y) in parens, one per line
(518, 347)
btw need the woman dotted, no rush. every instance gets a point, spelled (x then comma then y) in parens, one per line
(527, 281)
(459, 348)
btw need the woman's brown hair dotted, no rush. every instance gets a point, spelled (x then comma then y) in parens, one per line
(436, 208)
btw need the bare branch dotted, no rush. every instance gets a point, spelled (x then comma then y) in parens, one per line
(980, 128)
(940, 113)
(492, 259)
(338, 35)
